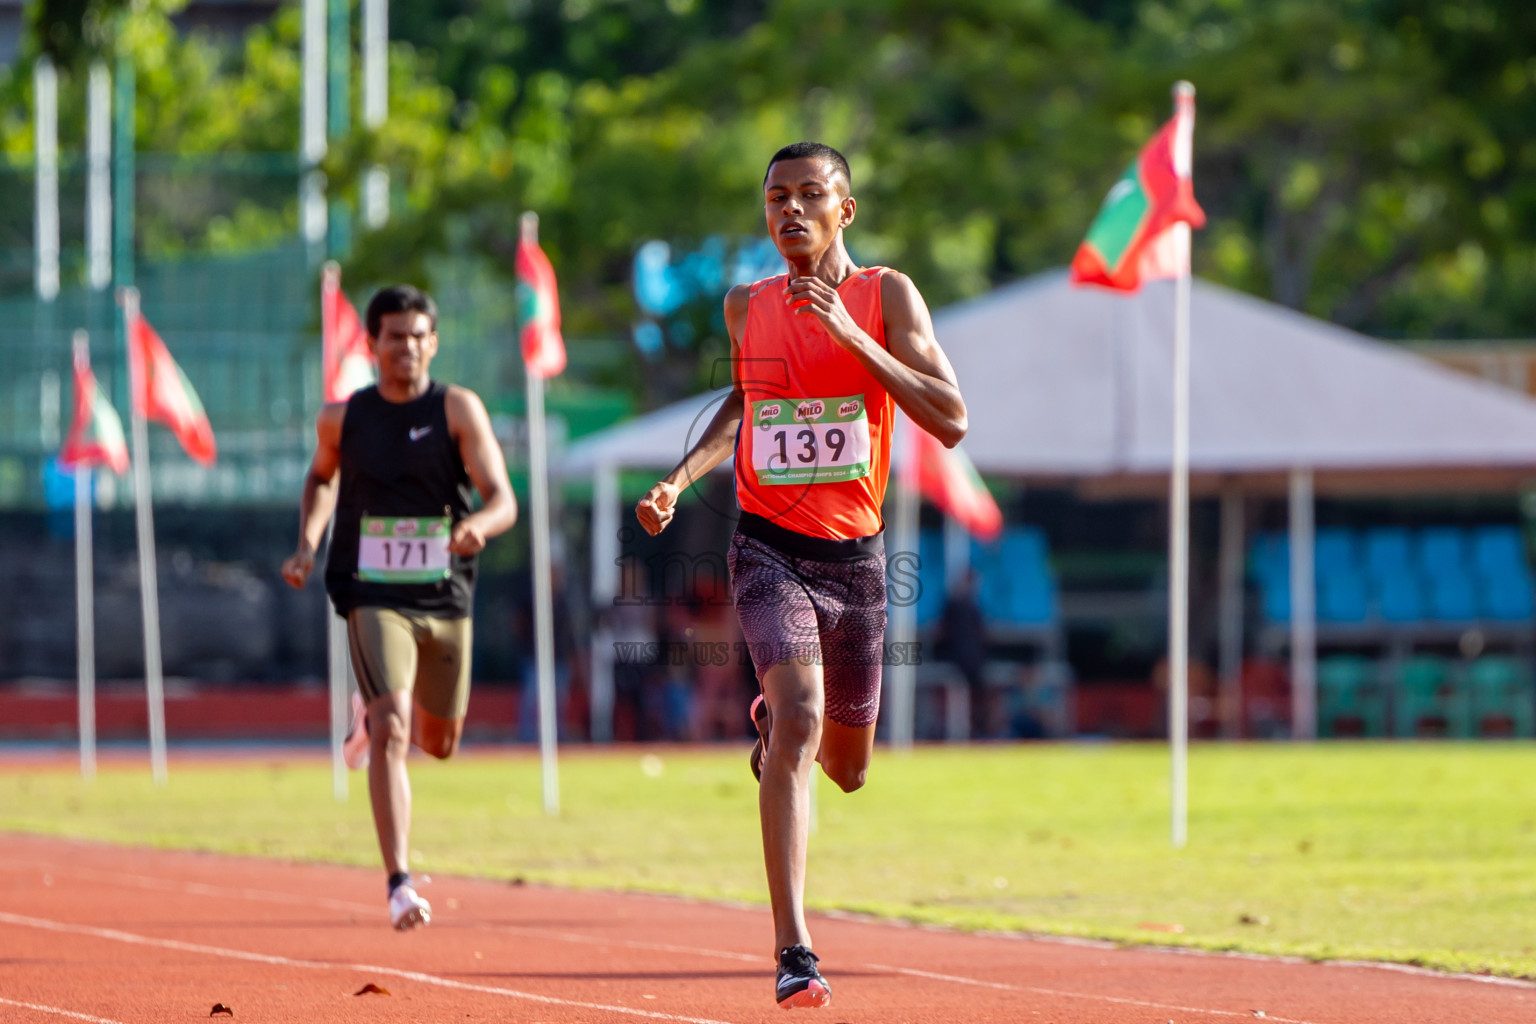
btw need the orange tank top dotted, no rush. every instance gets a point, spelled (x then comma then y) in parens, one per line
(814, 450)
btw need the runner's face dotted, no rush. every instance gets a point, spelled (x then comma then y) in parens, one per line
(807, 204)
(405, 346)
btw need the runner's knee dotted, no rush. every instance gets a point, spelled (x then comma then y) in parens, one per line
(797, 724)
(388, 730)
(848, 776)
(440, 743)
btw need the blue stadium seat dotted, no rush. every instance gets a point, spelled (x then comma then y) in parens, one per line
(1341, 598)
(1497, 549)
(1334, 551)
(1452, 597)
(1387, 551)
(1509, 598)
(1034, 601)
(1443, 550)
(1399, 597)
(1269, 561)
(1276, 600)
(930, 602)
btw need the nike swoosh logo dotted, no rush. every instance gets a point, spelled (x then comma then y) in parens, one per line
(417, 433)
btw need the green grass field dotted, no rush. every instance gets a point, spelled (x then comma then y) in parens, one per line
(1418, 853)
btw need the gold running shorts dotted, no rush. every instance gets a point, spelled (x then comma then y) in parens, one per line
(401, 650)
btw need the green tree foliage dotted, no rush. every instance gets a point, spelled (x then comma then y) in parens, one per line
(1369, 161)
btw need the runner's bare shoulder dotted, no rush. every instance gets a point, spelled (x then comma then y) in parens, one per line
(328, 422)
(463, 408)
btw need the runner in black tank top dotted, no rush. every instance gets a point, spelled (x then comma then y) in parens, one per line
(401, 567)
(398, 459)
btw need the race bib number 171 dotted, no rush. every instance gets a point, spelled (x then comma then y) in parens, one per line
(403, 550)
(810, 440)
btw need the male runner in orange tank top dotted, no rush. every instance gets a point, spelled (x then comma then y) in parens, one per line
(820, 358)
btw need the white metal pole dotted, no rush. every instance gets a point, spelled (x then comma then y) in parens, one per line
(45, 100)
(340, 688)
(149, 589)
(605, 586)
(1303, 608)
(1178, 556)
(903, 616)
(85, 602)
(543, 604)
(375, 105)
(312, 144)
(98, 188)
(1178, 501)
(1230, 614)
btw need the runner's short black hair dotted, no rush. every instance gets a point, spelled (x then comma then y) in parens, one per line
(814, 151)
(398, 298)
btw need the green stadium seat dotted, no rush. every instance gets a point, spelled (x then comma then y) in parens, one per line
(1428, 700)
(1351, 700)
(1503, 697)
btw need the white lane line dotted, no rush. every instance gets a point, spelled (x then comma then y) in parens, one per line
(375, 969)
(1062, 993)
(62, 1013)
(199, 888)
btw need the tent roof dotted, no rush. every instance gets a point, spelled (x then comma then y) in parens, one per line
(1070, 381)
(1061, 381)
(657, 440)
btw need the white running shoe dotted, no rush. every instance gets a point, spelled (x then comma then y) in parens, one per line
(407, 910)
(354, 749)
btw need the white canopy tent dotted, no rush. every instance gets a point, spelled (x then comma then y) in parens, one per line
(1067, 383)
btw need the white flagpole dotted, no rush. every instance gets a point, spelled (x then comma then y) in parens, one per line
(313, 217)
(85, 602)
(149, 590)
(340, 680)
(98, 190)
(375, 105)
(543, 603)
(1178, 511)
(338, 665)
(45, 99)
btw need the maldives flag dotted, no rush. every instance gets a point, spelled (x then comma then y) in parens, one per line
(161, 392)
(947, 478)
(96, 434)
(538, 306)
(1130, 240)
(347, 362)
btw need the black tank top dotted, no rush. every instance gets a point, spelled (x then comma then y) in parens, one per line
(397, 459)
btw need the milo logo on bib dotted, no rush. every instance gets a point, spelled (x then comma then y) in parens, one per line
(810, 440)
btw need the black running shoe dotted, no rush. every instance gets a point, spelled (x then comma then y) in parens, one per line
(759, 714)
(799, 982)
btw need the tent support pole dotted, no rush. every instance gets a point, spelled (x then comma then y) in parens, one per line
(1303, 609)
(605, 586)
(1230, 622)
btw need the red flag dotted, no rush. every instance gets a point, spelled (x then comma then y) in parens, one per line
(96, 434)
(161, 392)
(946, 477)
(539, 308)
(1131, 241)
(348, 363)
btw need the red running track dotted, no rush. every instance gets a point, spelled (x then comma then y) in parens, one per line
(132, 936)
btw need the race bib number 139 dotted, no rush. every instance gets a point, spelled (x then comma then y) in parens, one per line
(810, 440)
(403, 550)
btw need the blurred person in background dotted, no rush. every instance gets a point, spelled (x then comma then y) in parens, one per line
(820, 358)
(963, 643)
(395, 463)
